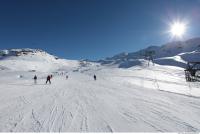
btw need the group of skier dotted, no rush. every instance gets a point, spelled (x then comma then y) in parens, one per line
(49, 77)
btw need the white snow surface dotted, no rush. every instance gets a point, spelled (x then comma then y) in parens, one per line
(138, 99)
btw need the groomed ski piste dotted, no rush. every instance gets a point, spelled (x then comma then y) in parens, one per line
(137, 99)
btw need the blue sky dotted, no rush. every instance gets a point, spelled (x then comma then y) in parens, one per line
(93, 29)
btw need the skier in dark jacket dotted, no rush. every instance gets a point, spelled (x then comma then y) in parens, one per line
(48, 79)
(35, 79)
(95, 77)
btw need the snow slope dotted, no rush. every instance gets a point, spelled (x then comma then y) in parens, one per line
(121, 100)
(133, 98)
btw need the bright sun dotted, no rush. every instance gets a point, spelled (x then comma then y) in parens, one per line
(178, 29)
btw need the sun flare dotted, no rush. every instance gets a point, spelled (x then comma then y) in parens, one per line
(178, 29)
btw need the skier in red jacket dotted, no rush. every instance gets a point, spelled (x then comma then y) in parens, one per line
(48, 79)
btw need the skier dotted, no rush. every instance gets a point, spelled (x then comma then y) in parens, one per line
(35, 79)
(95, 77)
(67, 77)
(48, 79)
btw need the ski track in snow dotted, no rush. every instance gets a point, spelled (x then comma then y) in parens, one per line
(119, 101)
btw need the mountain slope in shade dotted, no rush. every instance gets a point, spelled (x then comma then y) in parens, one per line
(174, 54)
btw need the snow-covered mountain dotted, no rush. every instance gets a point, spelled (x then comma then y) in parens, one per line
(175, 53)
(33, 60)
(136, 99)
